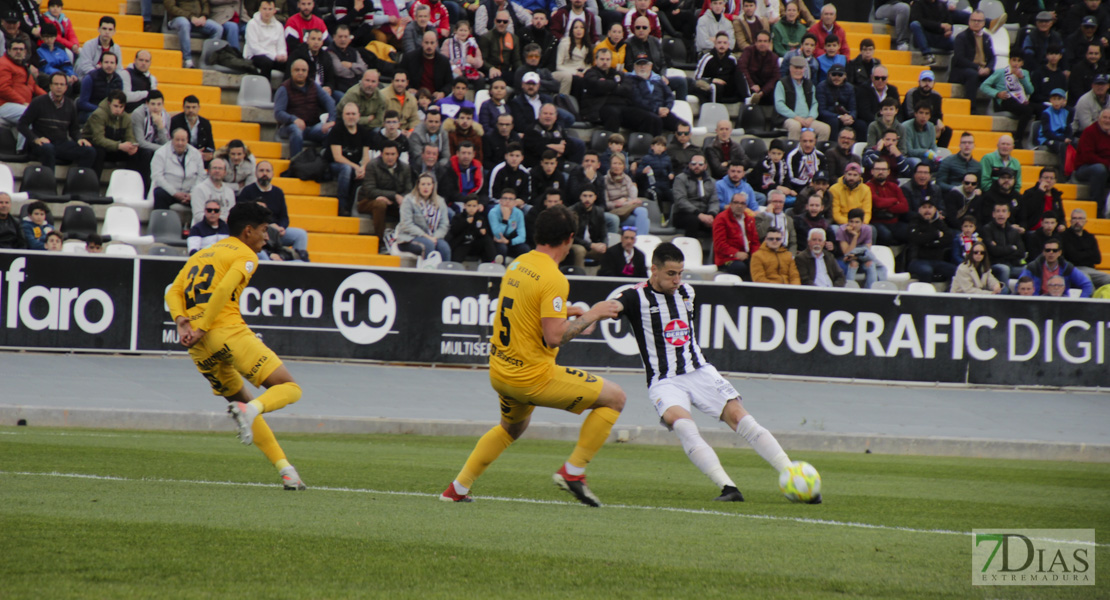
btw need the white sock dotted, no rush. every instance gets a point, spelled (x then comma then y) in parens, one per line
(460, 489)
(700, 453)
(573, 470)
(763, 443)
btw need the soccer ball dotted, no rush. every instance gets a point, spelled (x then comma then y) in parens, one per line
(800, 482)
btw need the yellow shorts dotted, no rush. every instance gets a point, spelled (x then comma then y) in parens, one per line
(227, 352)
(572, 390)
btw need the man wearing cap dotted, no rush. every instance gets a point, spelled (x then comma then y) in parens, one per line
(1083, 74)
(929, 243)
(972, 56)
(1088, 9)
(1093, 102)
(525, 105)
(836, 103)
(1093, 160)
(11, 21)
(1003, 192)
(1001, 157)
(931, 26)
(924, 92)
(642, 42)
(1037, 42)
(849, 193)
(649, 98)
(796, 102)
(17, 85)
(1076, 43)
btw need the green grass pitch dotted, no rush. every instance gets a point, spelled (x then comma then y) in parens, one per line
(196, 515)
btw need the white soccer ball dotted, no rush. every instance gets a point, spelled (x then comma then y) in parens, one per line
(800, 482)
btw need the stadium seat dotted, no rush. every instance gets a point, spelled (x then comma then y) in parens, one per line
(675, 49)
(165, 227)
(480, 98)
(613, 239)
(254, 90)
(450, 265)
(851, 284)
(884, 286)
(78, 221)
(8, 153)
(84, 185)
(684, 113)
(790, 144)
(647, 244)
(728, 278)
(578, 124)
(692, 252)
(599, 140)
(74, 247)
(39, 183)
(920, 287)
(688, 275)
(210, 48)
(886, 257)
(858, 148)
(7, 183)
(493, 268)
(121, 224)
(991, 9)
(120, 249)
(711, 113)
(162, 250)
(572, 270)
(126, 188)
(754, 147)
(753, 122)
(639, 145)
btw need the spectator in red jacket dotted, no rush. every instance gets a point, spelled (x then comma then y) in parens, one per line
(888, 207)
(67, 37)
(17, 86)
(827, 25)
(735, 237)
(1093, 159)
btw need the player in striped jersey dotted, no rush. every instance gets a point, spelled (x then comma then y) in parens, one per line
(661, 314)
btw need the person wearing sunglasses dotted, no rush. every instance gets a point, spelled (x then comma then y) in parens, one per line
(870, 97)
(209, 230)
(1050, 265)
(974, 276)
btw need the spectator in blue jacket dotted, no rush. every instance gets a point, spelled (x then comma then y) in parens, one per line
(1052, 264)
(96, 85)
(35, 226)
(1056, 130)
(836, 104)
(733, 183)
(53, 56)
(506, 223)
(650, 99)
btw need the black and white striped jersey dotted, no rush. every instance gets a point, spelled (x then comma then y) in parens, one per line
(664, 328)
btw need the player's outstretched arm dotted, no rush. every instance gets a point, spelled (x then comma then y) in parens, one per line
(557, 332)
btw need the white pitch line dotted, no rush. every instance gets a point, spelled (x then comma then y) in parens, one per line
(689, 511)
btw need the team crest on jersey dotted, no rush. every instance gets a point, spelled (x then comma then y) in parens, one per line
(250, 266)
(677, 333)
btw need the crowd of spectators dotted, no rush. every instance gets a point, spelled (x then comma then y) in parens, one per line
(384, 91)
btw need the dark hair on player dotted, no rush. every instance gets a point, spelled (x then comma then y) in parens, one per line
(1049, 170)
(548, 154)
(666, 252)
(866, 43)
(466, 144)
(808, 36)
(53, 233)
(117, 96)
(37, 205)
(971, 219)
(889, 101)
(856, 213)
(832, 37)
(552, 192)
(555, 226)
(391, 114)
(155, 95)
(248, 214)
(108, 20)
(923, 105)
(190, 99)
(233, 144)
(514, 147)
(466, 110)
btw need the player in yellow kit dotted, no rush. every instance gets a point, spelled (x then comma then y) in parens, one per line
(531, 326)
(204, 303)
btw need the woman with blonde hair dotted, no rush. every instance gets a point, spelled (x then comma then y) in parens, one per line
(974, 276)
(574, 55)
(621, 197)
(424, 220)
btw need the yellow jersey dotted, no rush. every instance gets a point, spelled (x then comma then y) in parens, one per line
(532, 288)
(202, 274)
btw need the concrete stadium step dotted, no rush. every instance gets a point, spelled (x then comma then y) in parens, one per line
(983, 139)
(882, 41)
(322, 224)
(312, 206)
(127, 38)
(1088, 206)
(98, 6)
(864, 27)
(343, 243)
(961, 123)
(1099, 227)
(217, 112)
(888, 57)
(1024, 157)
(366, 260)
(173, 74)
(295, 186)
(90, 19)
(905, 84)
(162, 58)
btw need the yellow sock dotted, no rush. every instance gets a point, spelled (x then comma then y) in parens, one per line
(277, 397)
(595, 430)
(488, 448)
(265, 441)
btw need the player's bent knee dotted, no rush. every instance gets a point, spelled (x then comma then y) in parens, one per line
(612, 396)
(294, 391)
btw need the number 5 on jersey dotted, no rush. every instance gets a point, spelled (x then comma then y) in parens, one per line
(506, 305)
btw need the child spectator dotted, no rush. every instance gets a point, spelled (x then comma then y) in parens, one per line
(859, 68)
(469, 233)
(832, 56)
(616, 146)
(461, 49)
(655, 169)
(770, 174)
(1056, 124)
(67, 37)
(53, 242)
(35, 227)
(967, 238)
(94, 244)
(855, 245)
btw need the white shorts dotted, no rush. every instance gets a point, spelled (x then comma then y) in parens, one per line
(703, 388)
